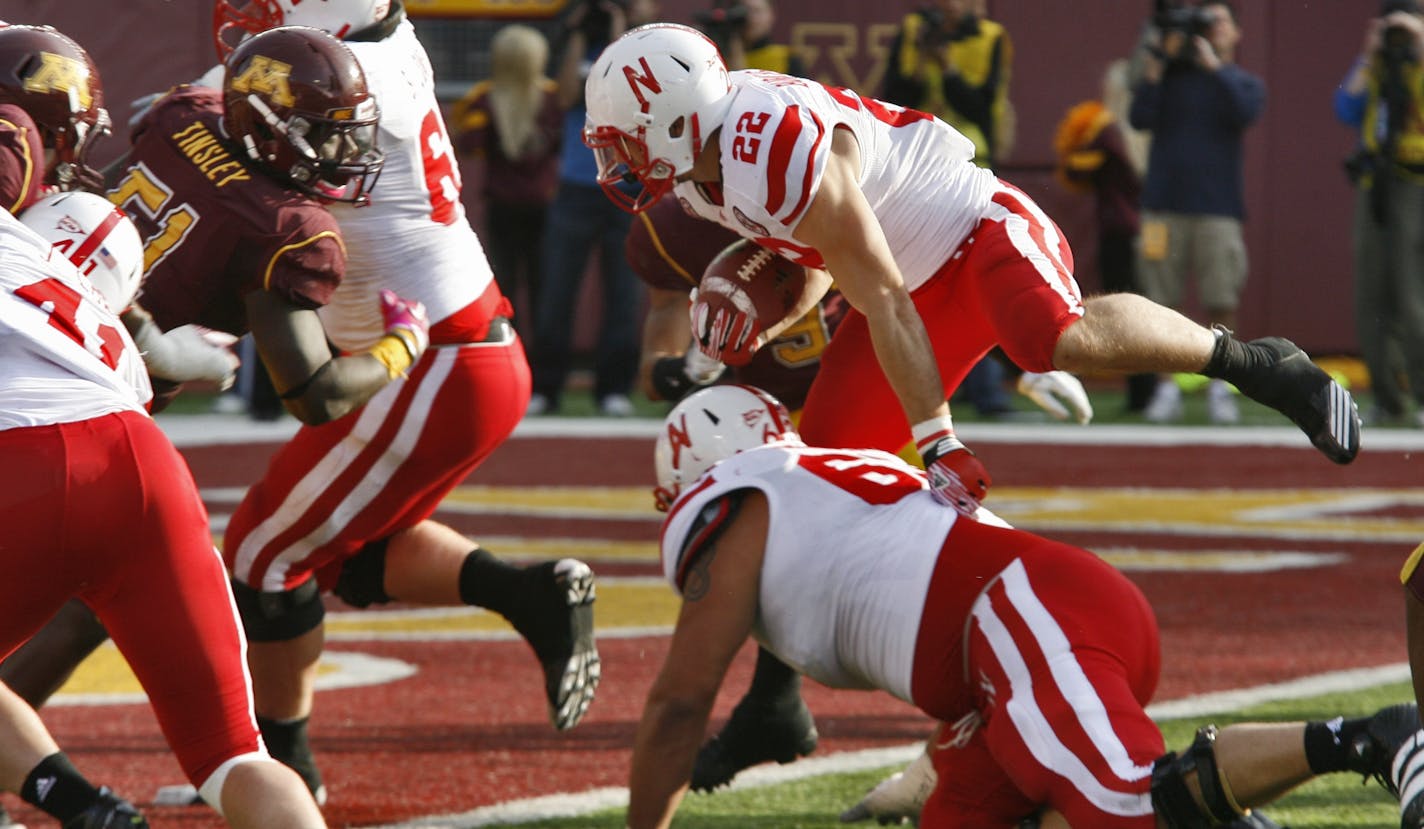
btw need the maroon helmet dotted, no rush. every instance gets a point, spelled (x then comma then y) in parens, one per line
(56, 83)
(295, 100)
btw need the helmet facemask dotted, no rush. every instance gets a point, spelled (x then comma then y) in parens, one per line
(623, 161)
(653, 98)
(334, 159)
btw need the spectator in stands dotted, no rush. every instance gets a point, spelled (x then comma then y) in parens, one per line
(951, 61)
(1098, 154)
(1197, 103)
(580, 220)
(1382, 89)
(512, 123)
(742, 30)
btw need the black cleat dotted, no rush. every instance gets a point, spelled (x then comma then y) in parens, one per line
(1283, 377)
(1391, 750)
(558, 625)
(1389, 746)
(108, 812)
(757, 732)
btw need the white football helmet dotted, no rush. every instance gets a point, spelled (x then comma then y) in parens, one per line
(711, 425)
(233, 20)
(96, 237)
(653, 97)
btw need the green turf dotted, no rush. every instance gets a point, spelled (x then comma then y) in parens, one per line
(1338, 801)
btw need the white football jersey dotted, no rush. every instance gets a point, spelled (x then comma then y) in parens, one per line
(916, 171)
(413, 238)
(64, 356)
(842, 586)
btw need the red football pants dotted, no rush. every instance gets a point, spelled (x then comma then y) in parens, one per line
(106, 510)
(1061, 656)
(1009, 284)
(378, 470)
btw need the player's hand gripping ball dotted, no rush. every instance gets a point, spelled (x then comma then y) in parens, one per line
(744, 291)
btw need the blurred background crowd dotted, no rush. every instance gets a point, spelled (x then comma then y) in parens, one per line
(1254, 164)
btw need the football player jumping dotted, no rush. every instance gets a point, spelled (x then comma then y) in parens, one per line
(888, 201)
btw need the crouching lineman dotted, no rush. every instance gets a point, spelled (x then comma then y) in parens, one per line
(1040, 654)
(107, 512)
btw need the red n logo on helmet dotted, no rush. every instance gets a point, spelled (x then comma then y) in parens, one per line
(677, 439)
(646, 79)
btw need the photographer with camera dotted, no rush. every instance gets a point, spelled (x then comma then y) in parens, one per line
(950, 61)
(581, 220)
(1382, 88)
(742, 31)
(1197, 103)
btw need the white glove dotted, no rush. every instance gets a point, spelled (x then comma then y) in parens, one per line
(700, 368)
(186, 354)
(898, 798)
(1046, 389)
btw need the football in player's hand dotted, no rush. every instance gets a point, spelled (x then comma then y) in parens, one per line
(749, 282)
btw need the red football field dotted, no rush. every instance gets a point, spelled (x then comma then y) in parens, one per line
(1264, 562)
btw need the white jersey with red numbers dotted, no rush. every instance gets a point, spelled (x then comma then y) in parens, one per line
(916, 170)
(413, 238)
(64, 356)
(843, 587)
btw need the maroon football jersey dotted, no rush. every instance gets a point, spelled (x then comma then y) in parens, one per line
(670, 249)
(21, 159)
(216, 229)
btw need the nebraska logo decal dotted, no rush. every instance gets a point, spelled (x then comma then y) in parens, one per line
(748, 223)
(636, 82)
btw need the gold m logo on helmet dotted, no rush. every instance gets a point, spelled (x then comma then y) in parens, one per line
(60, 73)
(268, 77)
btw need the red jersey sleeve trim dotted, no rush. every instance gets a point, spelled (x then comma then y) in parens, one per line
(778, 165)
(808, 175)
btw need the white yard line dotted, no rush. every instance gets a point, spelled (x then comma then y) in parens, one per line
(535, 809)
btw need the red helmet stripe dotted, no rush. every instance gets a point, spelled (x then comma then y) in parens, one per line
(96, 238)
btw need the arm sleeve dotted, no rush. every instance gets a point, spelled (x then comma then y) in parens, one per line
(1246, 93)
(1349, 109)
(787, 168)
(306, 270)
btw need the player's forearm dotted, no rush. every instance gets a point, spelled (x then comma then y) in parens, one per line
(336, 388)
(663, 753)
(902, 345)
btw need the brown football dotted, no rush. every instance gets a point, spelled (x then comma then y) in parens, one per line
(748, 278)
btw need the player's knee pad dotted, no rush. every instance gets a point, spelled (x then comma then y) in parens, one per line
(362, 582)
(278, 615)
(1173, 800)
